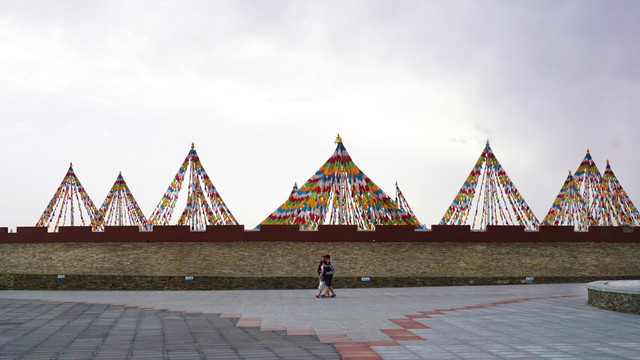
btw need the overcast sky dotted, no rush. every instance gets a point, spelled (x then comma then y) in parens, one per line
(414, 88)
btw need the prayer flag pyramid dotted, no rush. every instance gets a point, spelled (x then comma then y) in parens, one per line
(497, 200)
(69, 203)
(204, 204)
(589, 199)
(623, 212)
(120, 207)
(566, 207)
(339, 193)
(403, 204)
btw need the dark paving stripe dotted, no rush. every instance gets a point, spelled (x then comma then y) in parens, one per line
(32, 329)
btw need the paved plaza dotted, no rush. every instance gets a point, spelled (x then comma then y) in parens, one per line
(467, 322)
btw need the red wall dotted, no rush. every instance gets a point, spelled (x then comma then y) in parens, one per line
(325, 233)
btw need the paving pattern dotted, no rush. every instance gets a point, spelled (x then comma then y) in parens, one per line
(68, 330)
(529, 328)
(469, 322)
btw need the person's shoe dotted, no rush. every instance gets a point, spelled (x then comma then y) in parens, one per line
(334, 295)
(323, 296)
(318, 296)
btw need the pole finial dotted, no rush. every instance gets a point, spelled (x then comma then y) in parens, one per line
(193, 145)
(338, 139)
(487, 142)
(70, 164)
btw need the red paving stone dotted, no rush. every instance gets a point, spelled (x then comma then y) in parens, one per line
(422, 316)
(401, 334)
(409, 324)
(356, 351)
(249, 322)
(476, 307)
(431, 312)
(231, 315)
(443, 310)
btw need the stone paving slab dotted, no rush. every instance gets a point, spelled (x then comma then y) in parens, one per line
(477, 322)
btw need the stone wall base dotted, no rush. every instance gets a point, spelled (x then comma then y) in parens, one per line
(139, 282)
(628, 303)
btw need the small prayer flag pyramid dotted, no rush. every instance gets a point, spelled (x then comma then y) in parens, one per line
(69, 203)
(120, 207)
(403, 204)
(622, 211)
(204, 204)
(498, 201)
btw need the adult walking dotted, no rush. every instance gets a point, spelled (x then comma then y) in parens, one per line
(329, 269)
(321, 285)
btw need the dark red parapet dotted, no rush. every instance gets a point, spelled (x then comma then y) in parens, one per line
(174, 233)
(225, 233)
(505, 233)
(276, 233)
(325, 233)
(392, 233)
(6, 237)
(251, 235)
(74, 234)
(423, 235)
(557, 234)
(124, 234)
(33, 234)
(340, 233)
(505, 229)
(612, 234)
(309, 236)
(452, 233)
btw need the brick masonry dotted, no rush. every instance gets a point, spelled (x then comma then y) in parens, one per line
(280, 265)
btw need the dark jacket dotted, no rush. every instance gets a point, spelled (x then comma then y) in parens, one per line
(329, 269)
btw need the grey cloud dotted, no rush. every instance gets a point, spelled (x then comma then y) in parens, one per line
(262, 87)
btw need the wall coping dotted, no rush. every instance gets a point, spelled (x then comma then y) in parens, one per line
(616, 286)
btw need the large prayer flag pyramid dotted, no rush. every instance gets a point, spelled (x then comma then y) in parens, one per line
(69, 203)
(339, 193)
(204, 204)
(490, 193)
